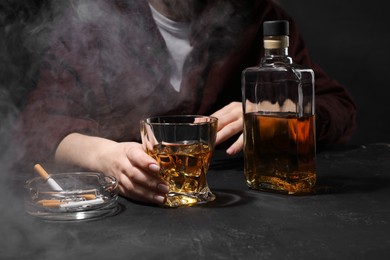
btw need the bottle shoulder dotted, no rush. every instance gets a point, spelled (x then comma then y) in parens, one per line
(282, 65)
(278, 72)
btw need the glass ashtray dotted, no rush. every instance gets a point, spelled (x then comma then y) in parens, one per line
(84, 195)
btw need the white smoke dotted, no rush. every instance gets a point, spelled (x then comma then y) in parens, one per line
(25, 27)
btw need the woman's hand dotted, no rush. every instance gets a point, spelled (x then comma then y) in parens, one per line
(230, 123)
(135, 171)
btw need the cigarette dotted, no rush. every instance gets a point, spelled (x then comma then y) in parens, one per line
(51, 203)
(52, 183)
(84, 203)
(72, 203)
(89, 196)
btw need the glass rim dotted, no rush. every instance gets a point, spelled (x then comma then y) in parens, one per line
(154, 120)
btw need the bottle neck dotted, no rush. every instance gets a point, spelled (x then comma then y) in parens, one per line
(276, 49)
(276, 52)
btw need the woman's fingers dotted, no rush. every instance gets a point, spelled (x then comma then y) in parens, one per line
(138, 191)
(229, 130)
(136, 171)
(229, 113)
(237, 146)
(230, 123)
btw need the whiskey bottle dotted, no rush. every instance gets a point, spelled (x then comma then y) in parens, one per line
(279, 119)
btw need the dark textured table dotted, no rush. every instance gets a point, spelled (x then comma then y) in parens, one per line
(347, 218)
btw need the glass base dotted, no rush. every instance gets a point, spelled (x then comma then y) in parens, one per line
(277, 185)
(175, 199)
(111, 209)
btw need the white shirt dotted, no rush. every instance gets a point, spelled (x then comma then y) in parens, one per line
(176, 36)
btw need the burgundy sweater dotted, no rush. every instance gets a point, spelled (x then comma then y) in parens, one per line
(107, 66)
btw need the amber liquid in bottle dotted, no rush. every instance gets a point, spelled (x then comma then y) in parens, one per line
(280, 152)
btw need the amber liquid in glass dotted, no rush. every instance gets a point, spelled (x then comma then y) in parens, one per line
(184, 167)
(280, 152)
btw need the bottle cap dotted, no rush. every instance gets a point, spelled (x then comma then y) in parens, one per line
(276, 28)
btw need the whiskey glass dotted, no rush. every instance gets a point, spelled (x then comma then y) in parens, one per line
(183, 146)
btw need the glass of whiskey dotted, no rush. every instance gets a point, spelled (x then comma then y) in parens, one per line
(183, 146)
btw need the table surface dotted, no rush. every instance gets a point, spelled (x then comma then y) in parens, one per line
(348, 218)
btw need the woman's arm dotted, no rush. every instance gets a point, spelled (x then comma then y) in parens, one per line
(135, 170)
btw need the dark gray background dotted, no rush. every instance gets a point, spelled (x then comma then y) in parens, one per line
(350, 40)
